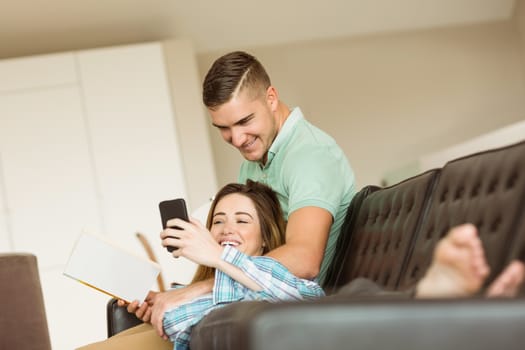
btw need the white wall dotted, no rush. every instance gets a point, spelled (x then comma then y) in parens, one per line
(388, 99)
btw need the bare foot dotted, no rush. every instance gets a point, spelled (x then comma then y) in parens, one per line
(509, 282)
(458, 266)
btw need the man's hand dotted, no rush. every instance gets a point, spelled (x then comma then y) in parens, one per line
(168, 300)
(142, 311)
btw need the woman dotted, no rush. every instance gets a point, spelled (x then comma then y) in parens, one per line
(245, 221)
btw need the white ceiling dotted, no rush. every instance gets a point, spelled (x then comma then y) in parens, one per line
(31, 26)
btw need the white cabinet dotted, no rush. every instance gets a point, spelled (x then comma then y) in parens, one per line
(133, 138)
(37, 72)
(88, 140)
(47, 171)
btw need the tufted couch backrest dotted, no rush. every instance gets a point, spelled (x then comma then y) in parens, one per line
(339, 268)
(377, 237)
(391, 232)
(486, 189)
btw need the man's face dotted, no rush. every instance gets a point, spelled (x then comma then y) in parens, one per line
(248, 124)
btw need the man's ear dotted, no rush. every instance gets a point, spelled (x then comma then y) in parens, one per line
(272, 98)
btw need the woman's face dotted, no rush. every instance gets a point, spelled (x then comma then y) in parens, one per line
(235, 222)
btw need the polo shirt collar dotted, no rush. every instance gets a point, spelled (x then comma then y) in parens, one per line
(283, 135)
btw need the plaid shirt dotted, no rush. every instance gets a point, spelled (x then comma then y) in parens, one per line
(276, 281)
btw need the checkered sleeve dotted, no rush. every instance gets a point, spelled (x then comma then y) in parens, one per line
(178, 321)
(276, 281)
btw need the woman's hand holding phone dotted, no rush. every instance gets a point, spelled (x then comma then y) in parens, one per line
(194, 242)
(171, 209)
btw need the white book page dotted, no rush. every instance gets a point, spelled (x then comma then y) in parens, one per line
(103, 265)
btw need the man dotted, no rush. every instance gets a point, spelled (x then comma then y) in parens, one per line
(305, 166)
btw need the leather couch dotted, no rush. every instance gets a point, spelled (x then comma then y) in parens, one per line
(388, 237)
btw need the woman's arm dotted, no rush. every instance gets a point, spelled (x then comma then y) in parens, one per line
(275, 280)
(238, 275)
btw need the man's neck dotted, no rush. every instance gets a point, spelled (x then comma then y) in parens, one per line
(281, 114)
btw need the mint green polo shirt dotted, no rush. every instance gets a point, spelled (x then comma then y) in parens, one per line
(305, 168)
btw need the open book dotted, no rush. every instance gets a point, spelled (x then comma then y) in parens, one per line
(101, 264)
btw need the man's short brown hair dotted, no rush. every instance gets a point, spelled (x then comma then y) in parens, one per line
(229, 75)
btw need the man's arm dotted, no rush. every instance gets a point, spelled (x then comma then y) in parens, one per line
(173, 298)
(306, 236)
(157, 303)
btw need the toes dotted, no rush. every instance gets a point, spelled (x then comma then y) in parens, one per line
(509, 282)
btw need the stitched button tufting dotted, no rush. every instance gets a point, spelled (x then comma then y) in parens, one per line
(511, 181)
(475, 190)
(492, 186)
(444, 195)
(459, 193)
(495, 225)
(479, 224)
(415, 270)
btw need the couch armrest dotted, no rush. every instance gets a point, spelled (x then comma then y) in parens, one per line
(119, 318)
(481, 324)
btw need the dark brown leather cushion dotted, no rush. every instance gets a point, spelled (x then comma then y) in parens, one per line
(349, 322)
(330, 324)
(228, 327)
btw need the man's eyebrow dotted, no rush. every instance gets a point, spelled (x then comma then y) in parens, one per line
(245, 119)
(238, 122)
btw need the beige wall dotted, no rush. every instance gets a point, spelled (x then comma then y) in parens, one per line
(519, 17)
(388, 99)
(191, 121)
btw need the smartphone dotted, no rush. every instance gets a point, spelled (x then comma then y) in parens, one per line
(171, 209)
